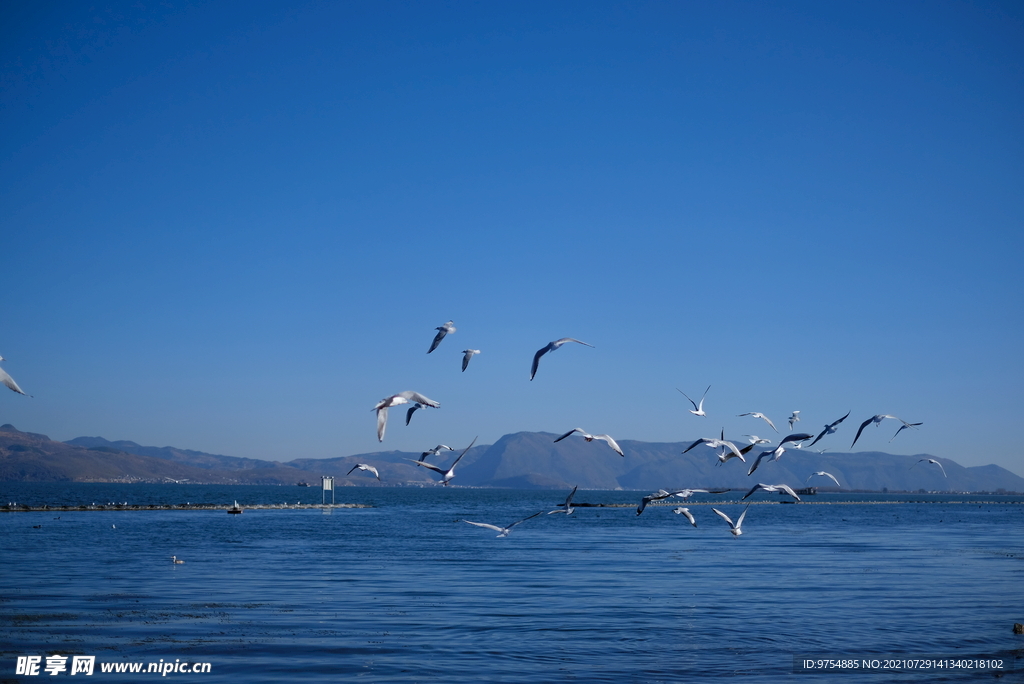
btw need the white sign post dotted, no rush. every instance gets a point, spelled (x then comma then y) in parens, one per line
(328, 486)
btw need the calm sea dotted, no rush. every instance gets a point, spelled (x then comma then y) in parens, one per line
(405, 592)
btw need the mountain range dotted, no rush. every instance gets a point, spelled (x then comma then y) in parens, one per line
(519, 460)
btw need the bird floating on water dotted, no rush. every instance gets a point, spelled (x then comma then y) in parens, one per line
(367, 468)
(446, 473)
(698, 409)
(763, 417)
(503, 531)
(469, 353)
(441, 332)
(590, 438)
(733, 527)
(396, 400)
(552, 346)
(176, 560)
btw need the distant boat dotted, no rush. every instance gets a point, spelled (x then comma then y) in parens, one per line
(301, 484)
(235, 510)
(807, 491)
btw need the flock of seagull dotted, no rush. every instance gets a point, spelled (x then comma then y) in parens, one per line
(727, 450)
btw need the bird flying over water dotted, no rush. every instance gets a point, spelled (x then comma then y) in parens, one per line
(552, 346)
(772, 488)
(796, 437)
(396, 400)
(877, 419)
(932, 460)
(469, 353)
(9, 381)
(503, 531)
(686, 512)
(733, 527)
(824, 474)
(763, 417)
(683, 494)
(698, 410)
(436, 451)
(754, 439)
(829, 429)
(441, 332)
(795, 418)
(715, 443)
(775, 453)
(590, 438)
(446, 473)
(567, 506)
(367, 468)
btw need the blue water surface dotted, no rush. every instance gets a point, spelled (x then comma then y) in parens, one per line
(406, 592)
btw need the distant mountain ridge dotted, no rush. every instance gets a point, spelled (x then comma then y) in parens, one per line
(519, 460)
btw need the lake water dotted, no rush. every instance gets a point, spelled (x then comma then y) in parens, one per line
(405, 592)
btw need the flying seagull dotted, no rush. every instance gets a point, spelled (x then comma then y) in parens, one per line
(503, 531)
(436, 451)
(776, 453)
(412, 409)
(9, 381)
(904, 427)
(552, 346)
(754, 439)
(441, 332)
(829, 429)
(683, 494)
(446, 473)
(367, 468)
(715, 443)
(796, 437)
(877, 419)
(734, 528)
(686, 512)
(567, 506)
(698, 409)
(396, 400)
(590, 438)
(772, 488)
(932, 460)
(762, 417)
(468, 355)
(795, 418)
(824, 474)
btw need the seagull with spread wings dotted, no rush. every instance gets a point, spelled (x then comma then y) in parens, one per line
(446, 473)
(552, 346)
(772, 488)
(877, 419)
(441, 332)
(469, 354)
(932, 460)
(733, 527)
(503, 531)
(698, 409)
(590, 438)
(9, 381)
(436, 451)
(822, 473)
(567, 506)
(367, 468)
(829, 429)
(397, 400)
(763, 417)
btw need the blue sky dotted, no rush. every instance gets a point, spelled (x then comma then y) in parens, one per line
(234, 226)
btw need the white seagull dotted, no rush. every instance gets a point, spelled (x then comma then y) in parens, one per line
(829, 429)
(772, 488)
(436, 451)
(877, 419)
(567, 506)
(795, 418)
(503, 531)
(775, 453)
(762, 417)
(754, 439)
(698, 409)
(9, 381)
(904, 427)
(686, 512)
(446, 473)
(441, 332)
(552, 346)
(932, 460)
(683, 494)
(396, 400)
(715, 443)
(590, 438)
(824, 474)
(469, 353)
(734, 528)
(367, 468)
(796, 437)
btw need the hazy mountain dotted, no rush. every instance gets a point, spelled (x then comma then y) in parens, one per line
(523, 460)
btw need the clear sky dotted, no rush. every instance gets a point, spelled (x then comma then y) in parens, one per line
(234, 226)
